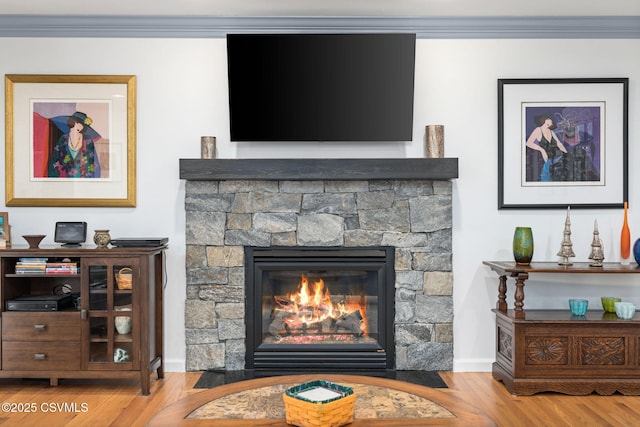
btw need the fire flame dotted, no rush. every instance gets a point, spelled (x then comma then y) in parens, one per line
(312, 305)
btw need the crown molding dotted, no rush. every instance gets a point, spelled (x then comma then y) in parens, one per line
(112, 26)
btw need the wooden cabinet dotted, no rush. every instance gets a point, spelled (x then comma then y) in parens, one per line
(102, 316)
(552, 350)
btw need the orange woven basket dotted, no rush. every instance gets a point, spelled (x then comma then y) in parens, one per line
(124, 278)
(334, 413)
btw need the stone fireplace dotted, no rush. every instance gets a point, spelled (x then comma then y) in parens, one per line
(402, 204)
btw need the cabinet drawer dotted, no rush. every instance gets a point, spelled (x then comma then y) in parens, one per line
(41, 326)
(40, 356)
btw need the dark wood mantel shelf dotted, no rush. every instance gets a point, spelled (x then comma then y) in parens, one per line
(440, 169)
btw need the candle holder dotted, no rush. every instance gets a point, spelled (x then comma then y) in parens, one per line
(208, 147)
(434, 147)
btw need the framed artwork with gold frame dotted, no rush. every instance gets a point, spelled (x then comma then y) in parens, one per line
(70, 140)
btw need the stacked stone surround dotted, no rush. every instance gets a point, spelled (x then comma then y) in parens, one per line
(414, 216)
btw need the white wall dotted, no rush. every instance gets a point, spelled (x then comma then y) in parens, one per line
(181, 90)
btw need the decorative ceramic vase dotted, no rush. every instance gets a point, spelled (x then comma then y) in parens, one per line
(625, 239)
(578, 307)
(636, 251)
(608, 303)
(102, 238)
(625, 310)
(123, 324)
(523, 245)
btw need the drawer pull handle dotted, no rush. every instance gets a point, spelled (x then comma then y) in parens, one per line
(39, 327)
(39, 356)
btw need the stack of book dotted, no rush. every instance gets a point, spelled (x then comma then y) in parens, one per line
(31, 266)
(61, 268)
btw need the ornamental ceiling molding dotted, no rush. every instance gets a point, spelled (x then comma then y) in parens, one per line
(112, 26)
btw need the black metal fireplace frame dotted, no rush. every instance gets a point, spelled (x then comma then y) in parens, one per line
(320, 357)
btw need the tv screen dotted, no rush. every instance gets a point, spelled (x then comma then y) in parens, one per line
(321, 87)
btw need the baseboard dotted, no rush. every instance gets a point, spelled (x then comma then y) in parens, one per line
(175, 365)
(472, 365)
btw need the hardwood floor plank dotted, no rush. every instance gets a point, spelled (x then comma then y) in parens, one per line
(543, 409)
(119, 403)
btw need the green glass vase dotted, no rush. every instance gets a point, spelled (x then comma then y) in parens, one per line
(523, 245)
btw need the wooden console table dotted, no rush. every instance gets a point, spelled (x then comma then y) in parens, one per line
(521, 273)
(552, 350)
(81, 337)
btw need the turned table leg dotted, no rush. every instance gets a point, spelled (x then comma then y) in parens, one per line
(502, 294)
(519, 295)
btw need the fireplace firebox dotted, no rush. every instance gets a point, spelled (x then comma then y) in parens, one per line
(319, 309)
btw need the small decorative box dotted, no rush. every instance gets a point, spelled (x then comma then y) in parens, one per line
(319, 403)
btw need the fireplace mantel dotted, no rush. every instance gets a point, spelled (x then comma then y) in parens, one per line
(318, 169)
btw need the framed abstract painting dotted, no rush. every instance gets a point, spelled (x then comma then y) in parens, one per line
(562, 142)
(70, 140)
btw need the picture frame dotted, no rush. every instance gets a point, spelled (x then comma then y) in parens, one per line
(5, 229)
(563, 142)
(70, 140)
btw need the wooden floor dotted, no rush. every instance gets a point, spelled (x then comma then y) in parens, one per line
(119, 403)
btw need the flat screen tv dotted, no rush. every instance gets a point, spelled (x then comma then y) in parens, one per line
(321, 87)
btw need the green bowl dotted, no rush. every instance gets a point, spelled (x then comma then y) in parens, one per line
(608, 303)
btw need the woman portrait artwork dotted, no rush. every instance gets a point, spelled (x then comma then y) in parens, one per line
(67, 145)
(562, 145)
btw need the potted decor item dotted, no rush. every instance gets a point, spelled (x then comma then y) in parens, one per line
(523, 245)
(102, 238)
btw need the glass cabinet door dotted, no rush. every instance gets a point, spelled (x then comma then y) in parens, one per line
(111, 315)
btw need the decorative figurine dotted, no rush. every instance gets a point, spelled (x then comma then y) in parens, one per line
(597, 254)
(566, 250)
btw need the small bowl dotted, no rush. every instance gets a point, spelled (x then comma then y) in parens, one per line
(608, 303)
(625, 310)
(34, 240)
(578, 307)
